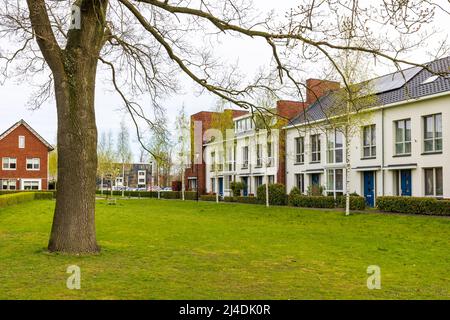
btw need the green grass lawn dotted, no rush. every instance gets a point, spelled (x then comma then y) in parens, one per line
(169, 249)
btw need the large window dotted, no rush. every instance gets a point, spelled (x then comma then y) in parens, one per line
(299, 150)
(432, 133)
(403, 137)
(433, 182)
(142, 177)
(31, 185)
(243, 125)
(33, 164)
(335, 182)
(8, 184)
(213, 162)
(315, 148)
(369, 141)
(9, 163)
(300, 182)
(259, 155)
(270, 160)
(334, 146)
(230, 159)
(245, 157)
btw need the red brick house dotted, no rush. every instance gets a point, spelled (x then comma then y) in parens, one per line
(24, 159)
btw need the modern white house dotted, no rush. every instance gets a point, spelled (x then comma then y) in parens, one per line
(403, 148)
(248, 155)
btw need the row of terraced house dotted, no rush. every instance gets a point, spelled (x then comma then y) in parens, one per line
(402, 149)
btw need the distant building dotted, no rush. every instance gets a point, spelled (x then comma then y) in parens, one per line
(137, 175)
(24, 156)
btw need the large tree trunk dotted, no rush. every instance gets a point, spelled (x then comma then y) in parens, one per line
(74, 70)
(73, 227)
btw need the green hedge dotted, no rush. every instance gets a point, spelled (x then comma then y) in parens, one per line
(19, 197)
(4, 192)
(249, 199)
(208, 197)
(277, 194)
(312, 201)
(414, 205)
(188, 195)
(356, 202)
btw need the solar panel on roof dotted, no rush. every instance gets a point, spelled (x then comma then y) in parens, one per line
(392, 81)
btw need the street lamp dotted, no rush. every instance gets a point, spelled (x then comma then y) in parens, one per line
(197, 155)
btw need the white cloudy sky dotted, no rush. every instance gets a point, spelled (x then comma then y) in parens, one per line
(251, 55)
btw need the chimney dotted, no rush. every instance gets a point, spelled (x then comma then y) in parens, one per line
(289, 109)
(317, 88)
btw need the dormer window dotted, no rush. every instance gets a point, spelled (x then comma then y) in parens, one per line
(21, 142)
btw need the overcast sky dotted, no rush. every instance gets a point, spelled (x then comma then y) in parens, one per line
(14, 97)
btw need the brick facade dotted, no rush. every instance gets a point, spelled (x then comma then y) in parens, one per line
(198, 170)
(35, 147)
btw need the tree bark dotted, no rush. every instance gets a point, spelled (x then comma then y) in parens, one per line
(73, 228)
(74, 70)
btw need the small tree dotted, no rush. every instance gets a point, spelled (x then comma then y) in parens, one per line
(106, 158)
(182, 129)
(236, 187)
(349, 111)
(123, 150)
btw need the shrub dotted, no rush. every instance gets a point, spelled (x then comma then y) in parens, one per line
(208, 197)
(229, 199)
(170, 195)
(315, 190)
(277, 194)
(251, 200)
(236, 187)
(356, 202)
(312, 201)
(19, 197)
(414, 205)
(295, 191)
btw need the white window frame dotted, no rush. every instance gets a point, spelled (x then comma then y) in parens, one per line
(299, 150)
(403, 141)
(315, 153)
(33, 181)
(270, 159)
(144, 177)
(434, 137)
(259, 155)
(33, 162)
(7, 160)
(9, 183)
(370, 145)
(300, 181)
(332, 149)
(213, 161)
(434, 186)
(334, 190)
(245, 153)
(21, 142)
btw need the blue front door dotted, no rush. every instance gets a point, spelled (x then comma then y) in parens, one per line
(315, 179)
(221, 186)
(369, 188)
(405, 178)
(245, 182)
